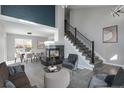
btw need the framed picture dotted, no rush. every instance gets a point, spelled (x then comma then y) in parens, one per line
(110, 34)
(40, 44)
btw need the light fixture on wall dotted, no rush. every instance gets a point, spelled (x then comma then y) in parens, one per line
(119, 9)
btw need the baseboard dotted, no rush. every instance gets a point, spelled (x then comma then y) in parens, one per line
(104, 61)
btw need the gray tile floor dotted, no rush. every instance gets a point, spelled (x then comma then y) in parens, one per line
(79, 78)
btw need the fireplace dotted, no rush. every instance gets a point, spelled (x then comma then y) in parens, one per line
(54, 54)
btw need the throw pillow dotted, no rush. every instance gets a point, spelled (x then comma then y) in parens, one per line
(15, 69)
(119, 78)
(11, 71)
(9, 84)
(18, 69)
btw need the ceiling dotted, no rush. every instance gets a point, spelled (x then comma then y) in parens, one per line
(18, 27)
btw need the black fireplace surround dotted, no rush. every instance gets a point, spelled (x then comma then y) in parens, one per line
(54, 55)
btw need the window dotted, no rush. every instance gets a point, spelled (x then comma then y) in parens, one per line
(22, 46)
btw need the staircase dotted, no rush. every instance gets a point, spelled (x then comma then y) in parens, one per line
(83, 44)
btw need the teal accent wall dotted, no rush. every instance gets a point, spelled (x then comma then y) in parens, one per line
(42, 14)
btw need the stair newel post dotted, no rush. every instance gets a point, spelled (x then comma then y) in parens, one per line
(75, 34)
(65, 25)
(92, 59)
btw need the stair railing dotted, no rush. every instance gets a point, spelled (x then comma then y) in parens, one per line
(70, 30)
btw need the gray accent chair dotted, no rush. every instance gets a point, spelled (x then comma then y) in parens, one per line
(105, 80)
(70, 62)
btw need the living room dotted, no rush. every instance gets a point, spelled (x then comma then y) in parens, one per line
(41, 47)
(25, 42)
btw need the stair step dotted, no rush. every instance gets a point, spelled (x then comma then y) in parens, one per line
(84, 51)
(89, 57)
(78, 41)
(82, 48)
(70, 37)
(96, 57)
(98, 63)
(87, 51)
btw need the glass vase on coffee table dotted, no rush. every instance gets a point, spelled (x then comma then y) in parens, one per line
(52, 67)
(53, 60)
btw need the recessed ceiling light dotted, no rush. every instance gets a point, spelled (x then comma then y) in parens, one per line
(29, 33)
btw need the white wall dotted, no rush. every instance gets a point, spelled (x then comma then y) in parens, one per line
(59, 22)
(91, 21)
(11, 44)
(2, 44)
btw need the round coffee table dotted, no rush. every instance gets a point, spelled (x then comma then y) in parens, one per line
(59, 79)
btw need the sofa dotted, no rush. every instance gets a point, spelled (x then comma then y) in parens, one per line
(20, 80)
